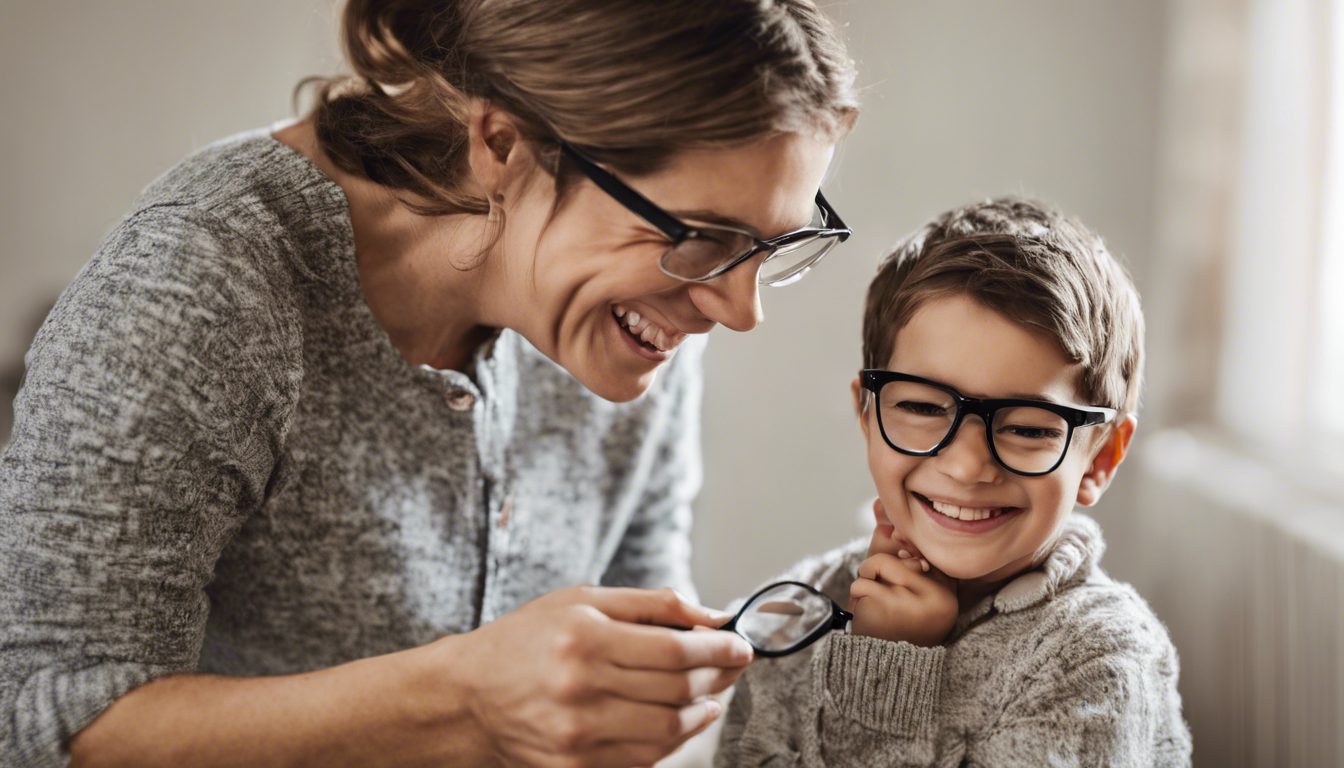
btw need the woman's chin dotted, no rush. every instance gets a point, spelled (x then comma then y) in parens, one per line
(617, 389)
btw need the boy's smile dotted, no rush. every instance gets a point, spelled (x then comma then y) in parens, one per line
(968, 515)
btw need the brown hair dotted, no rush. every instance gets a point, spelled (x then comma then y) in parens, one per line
(631, 81)
(1031, 264)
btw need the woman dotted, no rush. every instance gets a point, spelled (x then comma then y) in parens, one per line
(311, 453)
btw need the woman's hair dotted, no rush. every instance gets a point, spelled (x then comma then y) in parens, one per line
(631, 81)
(1031, 264)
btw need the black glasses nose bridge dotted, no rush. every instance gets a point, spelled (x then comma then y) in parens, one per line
(966, 406)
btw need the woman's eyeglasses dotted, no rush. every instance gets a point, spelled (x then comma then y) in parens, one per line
(703, 252)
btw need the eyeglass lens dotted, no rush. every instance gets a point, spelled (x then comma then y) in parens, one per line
(916, 417)
(781, 617)
(713, 248)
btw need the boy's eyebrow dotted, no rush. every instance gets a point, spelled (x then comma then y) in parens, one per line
(1032, 396)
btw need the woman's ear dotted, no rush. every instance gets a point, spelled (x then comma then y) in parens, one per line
(1106, 462)
(857, 392)
(496, 150)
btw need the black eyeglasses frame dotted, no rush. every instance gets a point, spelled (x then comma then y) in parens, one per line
(1076, 416)
(679, 231)
(840, 619)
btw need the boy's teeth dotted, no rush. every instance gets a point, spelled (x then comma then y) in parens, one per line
(964, 513)
(632, 319)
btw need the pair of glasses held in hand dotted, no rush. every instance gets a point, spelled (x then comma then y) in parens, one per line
(786, 617)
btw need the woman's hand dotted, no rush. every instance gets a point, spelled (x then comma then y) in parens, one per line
(898, 594)
(583, 677)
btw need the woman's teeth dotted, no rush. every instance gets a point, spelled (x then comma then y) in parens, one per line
(966, 513)
(642, 329)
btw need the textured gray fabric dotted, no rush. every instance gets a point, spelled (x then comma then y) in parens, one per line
(220, 462)
(1063, 666)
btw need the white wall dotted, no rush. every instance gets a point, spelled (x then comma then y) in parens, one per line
(963, 99)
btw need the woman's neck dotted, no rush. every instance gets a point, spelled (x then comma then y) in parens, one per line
(416, 271)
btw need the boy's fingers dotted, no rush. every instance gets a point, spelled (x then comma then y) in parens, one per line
(888, 569)
(893, 542)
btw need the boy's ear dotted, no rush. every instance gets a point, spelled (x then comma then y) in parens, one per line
(1107, 460)
(496, 152)
(856, 390)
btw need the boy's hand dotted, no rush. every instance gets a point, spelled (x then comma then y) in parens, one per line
(899, 595)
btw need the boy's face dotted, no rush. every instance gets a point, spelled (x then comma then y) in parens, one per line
(958, 342)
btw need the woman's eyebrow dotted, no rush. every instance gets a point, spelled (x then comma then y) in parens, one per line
(712, 217)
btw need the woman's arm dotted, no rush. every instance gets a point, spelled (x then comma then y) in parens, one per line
(560, 682)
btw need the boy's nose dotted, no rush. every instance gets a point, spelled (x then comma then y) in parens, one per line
(732, 299)
(967, 458)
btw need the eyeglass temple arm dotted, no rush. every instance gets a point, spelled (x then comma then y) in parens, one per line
(640, 205)
(833, 219)
(841, 618)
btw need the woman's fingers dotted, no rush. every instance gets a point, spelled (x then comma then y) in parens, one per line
(655, 687)
(681, 725)
(666, 607)
(635, 646)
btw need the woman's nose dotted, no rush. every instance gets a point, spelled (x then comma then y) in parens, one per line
(967, 458)
(732, 299)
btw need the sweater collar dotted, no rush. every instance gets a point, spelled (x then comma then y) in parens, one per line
(1072, 557)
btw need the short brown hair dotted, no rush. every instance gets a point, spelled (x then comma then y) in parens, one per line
(631, 81)
(1033, 265)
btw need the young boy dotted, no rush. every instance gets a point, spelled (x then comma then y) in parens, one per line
(1003, 346)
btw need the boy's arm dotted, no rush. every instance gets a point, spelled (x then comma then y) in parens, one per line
(1105, 696)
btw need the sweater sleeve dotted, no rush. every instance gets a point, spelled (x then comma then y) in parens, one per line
(1103, 694)
(149, 426)
(655, 550)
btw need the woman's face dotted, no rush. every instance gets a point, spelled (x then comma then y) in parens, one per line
(571, 286)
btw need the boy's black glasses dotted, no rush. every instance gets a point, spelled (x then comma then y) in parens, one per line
(919, 417)
(785, 617)
(703, 252)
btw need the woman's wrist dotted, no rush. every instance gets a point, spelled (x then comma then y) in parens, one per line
(439, 689)
(404, 708)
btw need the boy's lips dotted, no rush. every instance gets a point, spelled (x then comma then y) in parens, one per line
(966, 519)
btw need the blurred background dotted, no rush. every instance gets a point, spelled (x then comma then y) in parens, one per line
(1201, 138)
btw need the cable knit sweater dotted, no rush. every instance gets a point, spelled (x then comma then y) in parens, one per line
(1062, 666)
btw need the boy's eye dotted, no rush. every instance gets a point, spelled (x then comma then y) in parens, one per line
(922, 409)
(1031, 433)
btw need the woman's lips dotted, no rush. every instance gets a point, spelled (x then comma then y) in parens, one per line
(638, 346)
(966, 526)
(643, 328)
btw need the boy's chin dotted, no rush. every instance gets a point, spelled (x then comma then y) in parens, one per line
(960, 566)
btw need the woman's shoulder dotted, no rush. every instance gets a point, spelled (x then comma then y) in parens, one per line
(240, 171)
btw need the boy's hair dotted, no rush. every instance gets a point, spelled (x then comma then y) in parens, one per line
(1031, 264)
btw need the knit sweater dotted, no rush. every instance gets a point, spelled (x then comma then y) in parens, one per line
(1063, 666)
(220, 462)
